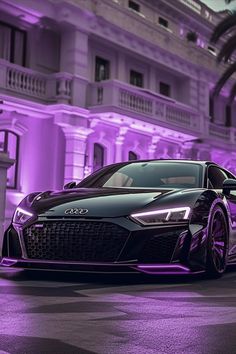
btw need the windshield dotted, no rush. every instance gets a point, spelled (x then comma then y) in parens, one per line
(147, 175)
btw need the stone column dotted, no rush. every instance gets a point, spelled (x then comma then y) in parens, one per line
(76, 139)
(74, 60)
(186, 150)
(193, 93)
(152, 79)
(119, 144)
(152, 147)
(3, 72)
(76, 130)
(203, 151)
(5, 163)
(204, 97)
(121, 67)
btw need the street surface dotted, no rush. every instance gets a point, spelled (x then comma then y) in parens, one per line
(60, 313)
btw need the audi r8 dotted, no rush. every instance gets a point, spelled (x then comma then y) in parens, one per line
(153, 216)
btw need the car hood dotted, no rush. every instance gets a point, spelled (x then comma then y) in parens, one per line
(101, 202)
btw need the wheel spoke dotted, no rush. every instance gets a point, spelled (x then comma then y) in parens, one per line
(218, 260)
(219, 252)
(217, 226)
(218, 237)
(219, 244)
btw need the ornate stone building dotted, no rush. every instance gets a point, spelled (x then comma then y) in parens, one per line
(85, 83)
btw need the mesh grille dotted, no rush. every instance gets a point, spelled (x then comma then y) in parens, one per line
(159, 249)
(75, 241)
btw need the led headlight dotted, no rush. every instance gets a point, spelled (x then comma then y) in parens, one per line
(162, 216)
(21, 216)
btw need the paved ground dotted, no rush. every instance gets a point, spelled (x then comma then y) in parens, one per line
(69, 313)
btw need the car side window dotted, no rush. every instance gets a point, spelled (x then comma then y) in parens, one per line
(216, 177)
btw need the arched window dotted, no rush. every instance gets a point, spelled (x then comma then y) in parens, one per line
(98, 156)
(132, 156)
(9, 142)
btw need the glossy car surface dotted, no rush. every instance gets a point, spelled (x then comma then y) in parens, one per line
(156, 216)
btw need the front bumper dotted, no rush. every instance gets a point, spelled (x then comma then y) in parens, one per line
(153, 250)
(85, 267)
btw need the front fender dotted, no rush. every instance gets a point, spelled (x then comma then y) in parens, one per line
(199, 224)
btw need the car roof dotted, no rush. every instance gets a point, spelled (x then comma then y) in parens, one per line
(200, 162)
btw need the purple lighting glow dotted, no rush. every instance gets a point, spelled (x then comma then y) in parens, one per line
(164, 266)
(165, 269)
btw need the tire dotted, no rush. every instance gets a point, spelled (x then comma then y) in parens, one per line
(217, 245)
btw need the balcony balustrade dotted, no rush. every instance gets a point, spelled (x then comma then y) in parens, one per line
(111, 95)
(144, 103)
(27, 83)
(128, 99)
(221, 133)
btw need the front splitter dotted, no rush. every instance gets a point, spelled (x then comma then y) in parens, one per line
(98, 267)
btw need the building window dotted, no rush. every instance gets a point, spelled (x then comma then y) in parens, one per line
(12, 44)
(163, 22)
(9, 142)
(228, 116)
(132, 156)
(136, 78)
(98, 156)
(102, 69)
(192, 36)
(165, 89)
(211, 50)
(134, 6)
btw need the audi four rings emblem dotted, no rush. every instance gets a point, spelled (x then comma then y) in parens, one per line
(76, 211)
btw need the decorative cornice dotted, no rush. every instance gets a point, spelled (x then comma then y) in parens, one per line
(141, 127)
(73, 132)
(24, 107)
(75, 126)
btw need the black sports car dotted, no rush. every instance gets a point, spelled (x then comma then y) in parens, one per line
(156, 216)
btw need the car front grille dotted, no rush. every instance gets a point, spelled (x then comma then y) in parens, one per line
(159, 249)
(88, 241)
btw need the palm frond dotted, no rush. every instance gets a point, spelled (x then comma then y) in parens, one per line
(225, 76)
(228, 1)
(226, 24)
(227, 49)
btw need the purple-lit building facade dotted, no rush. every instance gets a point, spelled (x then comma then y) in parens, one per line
(86, 83)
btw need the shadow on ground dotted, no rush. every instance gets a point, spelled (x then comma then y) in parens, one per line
(34, 345)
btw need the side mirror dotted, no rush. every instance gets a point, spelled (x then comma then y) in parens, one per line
(70, 185)
(229, 185)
